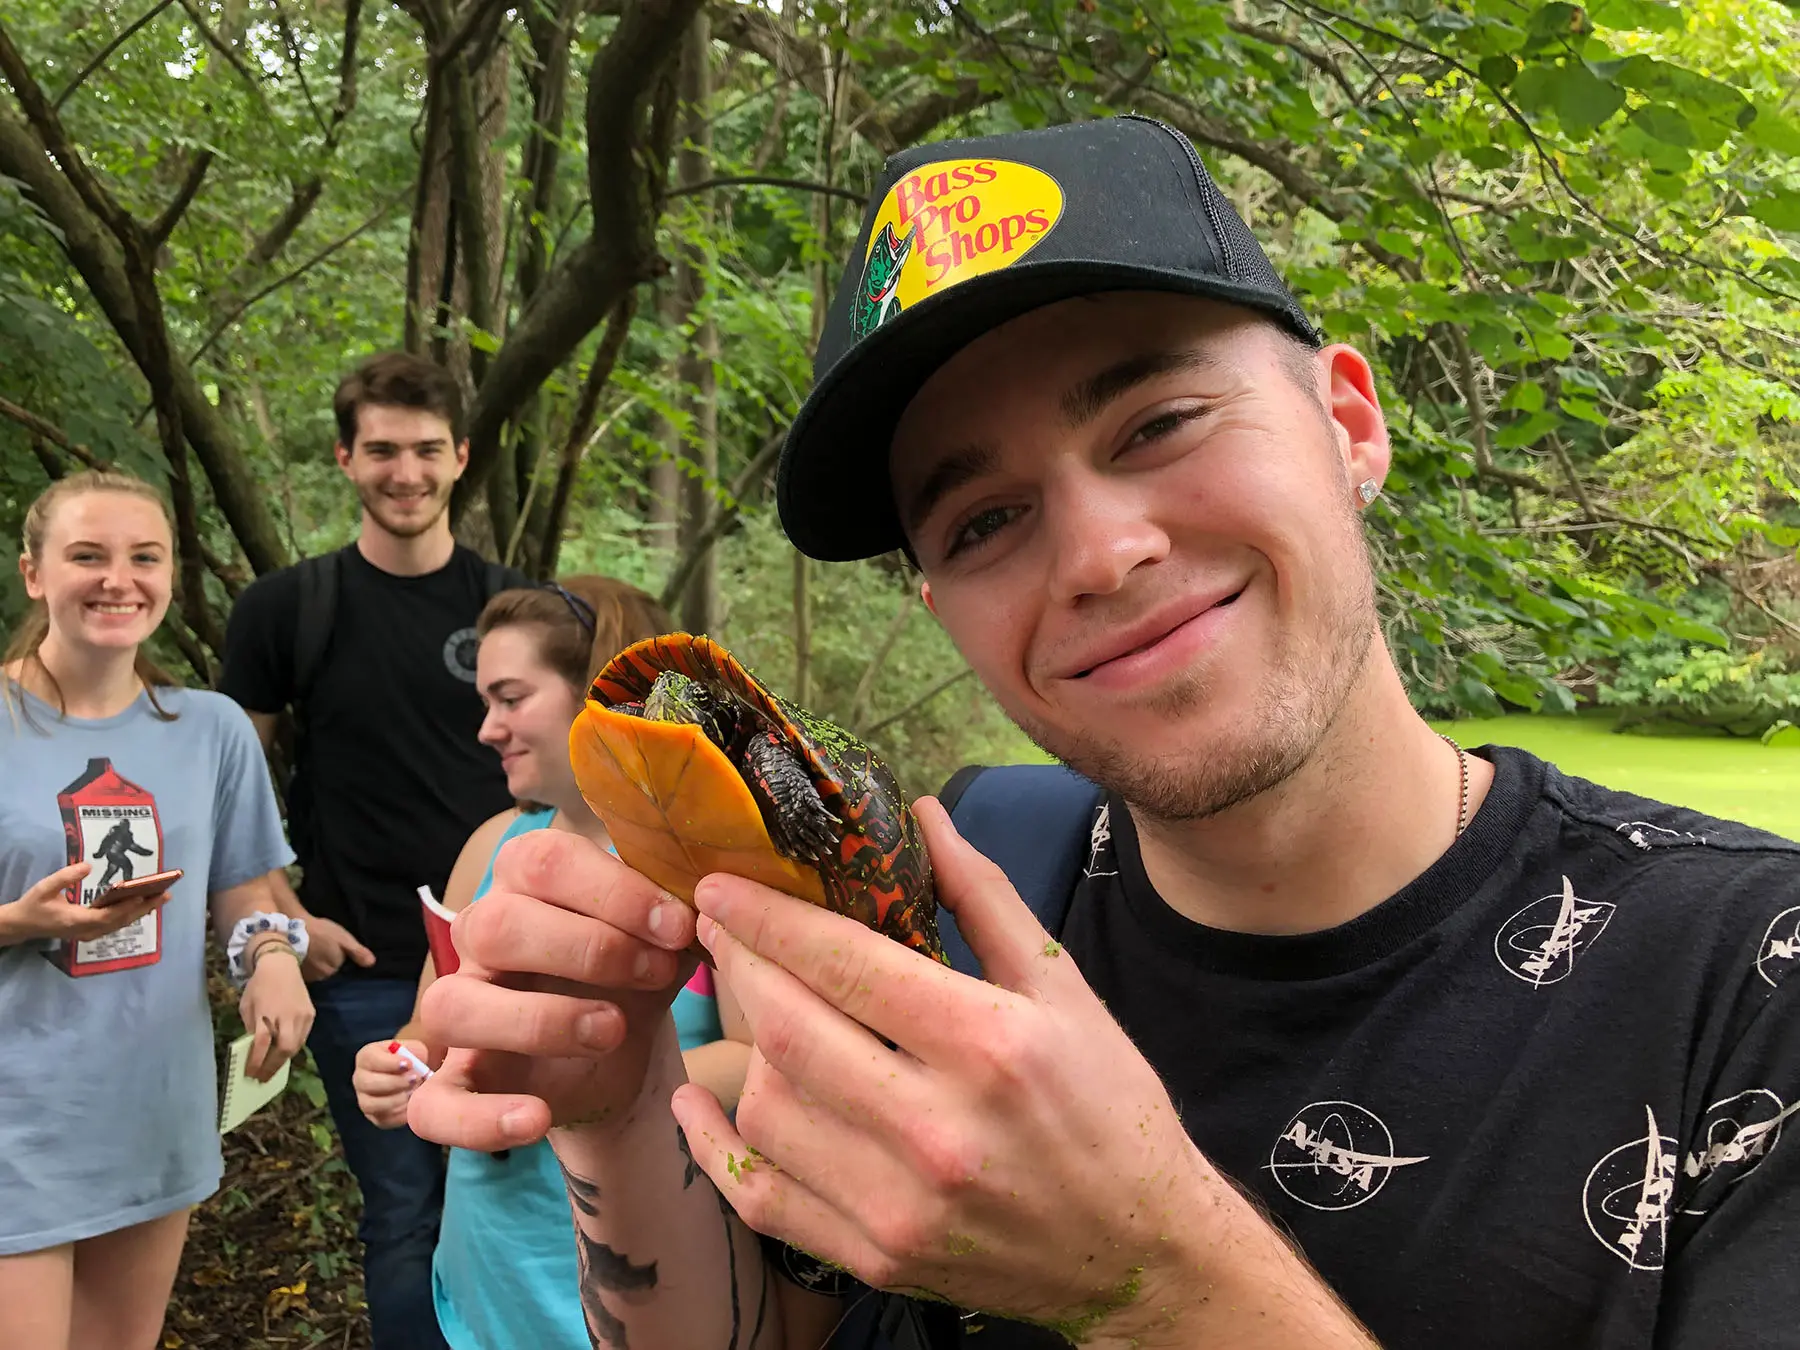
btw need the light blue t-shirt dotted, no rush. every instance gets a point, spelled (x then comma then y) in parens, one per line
(505, 1273)
(108, 1099)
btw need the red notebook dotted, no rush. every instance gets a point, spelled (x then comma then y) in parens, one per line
(437, 933)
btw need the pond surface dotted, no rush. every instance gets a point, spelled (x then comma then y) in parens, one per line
(1737, 779)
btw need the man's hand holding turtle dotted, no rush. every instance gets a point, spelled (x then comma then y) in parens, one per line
(1013, 1152)
(568, 967)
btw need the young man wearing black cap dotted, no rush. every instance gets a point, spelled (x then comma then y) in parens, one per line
(1345, 1036)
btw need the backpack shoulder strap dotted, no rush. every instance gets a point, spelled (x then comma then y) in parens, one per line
(1034, 822)
(319, 579)
(499, 577)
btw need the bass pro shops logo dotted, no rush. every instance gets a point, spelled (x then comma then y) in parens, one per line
(946, 222)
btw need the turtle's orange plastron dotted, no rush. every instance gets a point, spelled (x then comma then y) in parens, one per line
(680, 802)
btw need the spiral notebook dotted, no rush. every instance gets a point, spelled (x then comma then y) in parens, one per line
(244, 1096)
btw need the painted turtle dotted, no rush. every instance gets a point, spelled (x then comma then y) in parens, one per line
(695, 767)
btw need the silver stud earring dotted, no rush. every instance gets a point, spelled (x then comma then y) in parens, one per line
(1368, 490)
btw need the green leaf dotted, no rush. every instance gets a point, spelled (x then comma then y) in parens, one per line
(1555, 346)
(1647, 16)
(1691, 630)
(1559, 19)
(1583, 100)
(1778, 208)
(1772, 131)
(1527, 430)
(1664, 124)
(1526, 396)
(1498, 71)
(1583, 410)
(1699, 96)
(1557, 698)
(1659, 155)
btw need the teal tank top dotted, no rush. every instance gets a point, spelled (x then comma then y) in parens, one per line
(504, 1272)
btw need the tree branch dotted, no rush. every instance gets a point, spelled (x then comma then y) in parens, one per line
(223, 48)
(625, 171)
(762, 180)
(100, 57)
(48, 129)
(447, 43)
(164, 225)
(49, 431)
(879, 660)
(96, 255)
(581, 428)
(1475, 401)
(341, 241)
(721, 518)
(940, 687)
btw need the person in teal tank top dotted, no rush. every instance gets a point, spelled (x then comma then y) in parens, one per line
(504, 1273)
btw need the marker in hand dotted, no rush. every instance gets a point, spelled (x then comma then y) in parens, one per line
(411, 1060)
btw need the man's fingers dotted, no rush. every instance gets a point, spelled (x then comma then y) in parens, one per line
(520, 1021)
(576, 874)
(898, 993)
(447, 1110)
(1014, 950)
(516, 933)
(359, 953)
(764, 1196)
(805, 1039)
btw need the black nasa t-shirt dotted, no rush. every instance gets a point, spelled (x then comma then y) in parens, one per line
(390, 780)
(1541, 1097)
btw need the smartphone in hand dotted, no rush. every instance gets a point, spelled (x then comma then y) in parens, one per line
(138, 888)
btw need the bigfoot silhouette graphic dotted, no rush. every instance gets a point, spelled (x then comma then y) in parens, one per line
(117, 848)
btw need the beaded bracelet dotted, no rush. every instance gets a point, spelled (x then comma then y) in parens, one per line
(294, 930)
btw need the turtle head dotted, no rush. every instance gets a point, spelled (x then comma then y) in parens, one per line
(676, 698)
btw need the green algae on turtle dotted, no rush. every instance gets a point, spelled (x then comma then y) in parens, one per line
(695, 766)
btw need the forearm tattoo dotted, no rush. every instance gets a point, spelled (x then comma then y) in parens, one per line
(603, 1270)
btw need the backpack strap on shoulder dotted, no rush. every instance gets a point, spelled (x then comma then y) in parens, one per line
(1034, 821)
(499, 577)
(319, 578)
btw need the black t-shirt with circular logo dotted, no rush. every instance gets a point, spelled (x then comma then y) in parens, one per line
(1543, 1096)
(390, 781)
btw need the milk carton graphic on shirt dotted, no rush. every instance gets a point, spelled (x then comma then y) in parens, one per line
(112, 823)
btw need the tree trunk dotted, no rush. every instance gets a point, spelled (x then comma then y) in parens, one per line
(459, 213)
(700, 450)
(663, 479)
(802, 629)
(89, 245)
(627, 132)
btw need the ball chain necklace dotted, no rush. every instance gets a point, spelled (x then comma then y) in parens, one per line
(1462, 764)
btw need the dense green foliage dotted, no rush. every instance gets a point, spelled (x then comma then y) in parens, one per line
(1569, 239)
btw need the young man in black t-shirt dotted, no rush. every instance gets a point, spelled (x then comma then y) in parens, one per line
(389, 779)
(1351, 1037)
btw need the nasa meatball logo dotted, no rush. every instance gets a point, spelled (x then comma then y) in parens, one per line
(946, 222)
(1734, 1137)
(1335, 1155)
(1629, 1194)
(1540, 943)
(459, 654)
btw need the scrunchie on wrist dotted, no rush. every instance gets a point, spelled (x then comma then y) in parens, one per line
(253, 926)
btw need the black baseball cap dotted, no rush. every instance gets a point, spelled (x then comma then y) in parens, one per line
(962, 236)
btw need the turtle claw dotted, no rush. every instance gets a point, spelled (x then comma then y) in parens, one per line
(800, 825)
(812, 831)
